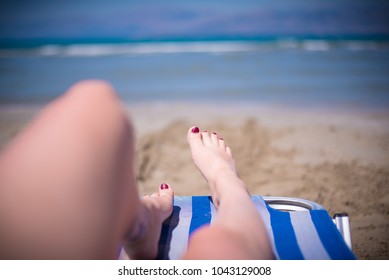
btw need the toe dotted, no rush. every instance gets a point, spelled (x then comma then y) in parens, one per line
(214, 138)
(222, 143)
(194, 136)
(166, 190)
(166, 196)
(206, 138)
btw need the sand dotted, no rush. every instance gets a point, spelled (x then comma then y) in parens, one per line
(337, 158)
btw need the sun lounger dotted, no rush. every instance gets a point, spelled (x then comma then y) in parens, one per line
(298, 229)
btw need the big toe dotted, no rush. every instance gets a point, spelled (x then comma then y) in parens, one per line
(194, 136)
(166, 196)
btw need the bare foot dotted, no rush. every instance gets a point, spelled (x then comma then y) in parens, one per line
(238, 219)
(214, 160)
(142, 242)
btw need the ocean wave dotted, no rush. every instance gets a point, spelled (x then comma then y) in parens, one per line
(134, 49)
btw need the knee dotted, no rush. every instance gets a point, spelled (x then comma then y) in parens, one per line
(99, 89)
(213, 242)
(94, 97)
(92, 103)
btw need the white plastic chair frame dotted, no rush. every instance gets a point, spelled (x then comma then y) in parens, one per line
(341, 220)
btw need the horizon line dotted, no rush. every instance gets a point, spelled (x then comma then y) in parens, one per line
(38, 42)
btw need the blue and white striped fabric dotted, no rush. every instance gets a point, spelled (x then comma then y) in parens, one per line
(294, 235)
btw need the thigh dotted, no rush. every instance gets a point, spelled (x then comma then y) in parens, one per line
(67, 185)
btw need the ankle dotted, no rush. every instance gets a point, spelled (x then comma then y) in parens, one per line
(229, 181)
(230, 186)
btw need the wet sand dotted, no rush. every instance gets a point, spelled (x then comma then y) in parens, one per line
(339, 159)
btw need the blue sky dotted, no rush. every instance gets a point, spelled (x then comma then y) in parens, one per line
(164, 19)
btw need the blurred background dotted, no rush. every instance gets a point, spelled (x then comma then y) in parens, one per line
(297, 52)
(314, 72)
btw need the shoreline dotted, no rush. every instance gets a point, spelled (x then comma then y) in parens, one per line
(337, 158)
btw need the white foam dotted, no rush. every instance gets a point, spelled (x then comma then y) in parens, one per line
(155, 48)
(316, 45)
(135, 49)
(50, 50)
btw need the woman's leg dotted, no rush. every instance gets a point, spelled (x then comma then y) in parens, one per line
(67, 185)
(238, 231)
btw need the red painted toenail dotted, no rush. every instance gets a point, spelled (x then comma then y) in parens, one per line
(221, 138)
(195, 129)
(214, 133)
(164, 186)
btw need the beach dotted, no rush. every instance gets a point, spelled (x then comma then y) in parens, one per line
(337, 158)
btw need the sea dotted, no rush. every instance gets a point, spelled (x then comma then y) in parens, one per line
(285, 71)
(294, 53)
(291, 71)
